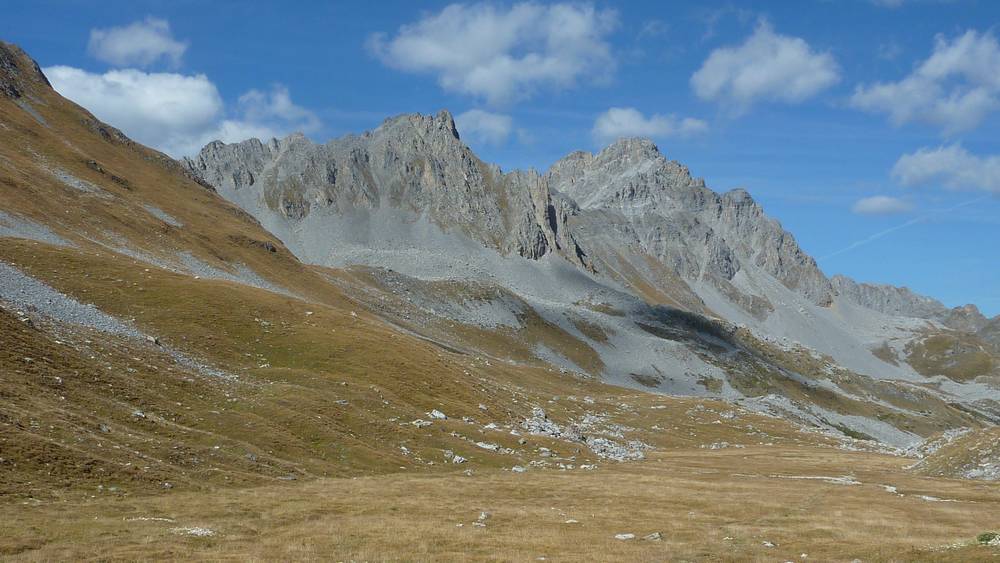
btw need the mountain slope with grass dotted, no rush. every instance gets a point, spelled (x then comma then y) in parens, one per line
(182, 378)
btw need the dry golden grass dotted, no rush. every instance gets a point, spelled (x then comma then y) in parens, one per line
(978, 450)
(955, 355)
(718, 505)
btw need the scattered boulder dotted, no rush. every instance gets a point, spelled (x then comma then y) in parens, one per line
(196, 531)
(624, 537)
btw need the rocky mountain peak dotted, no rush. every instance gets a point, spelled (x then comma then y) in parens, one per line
(18, 72)
(418, 163)
(441, 125)
(630, 174)
(965, 317)
(631, 149)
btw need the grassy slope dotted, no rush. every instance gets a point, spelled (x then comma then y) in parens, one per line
(979, 449)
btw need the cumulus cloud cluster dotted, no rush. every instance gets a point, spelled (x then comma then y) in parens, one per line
(178, 114)
(504, 54)
(767, 66)
(630, 122)
(137, 44)
(954, 89)
(175, 113)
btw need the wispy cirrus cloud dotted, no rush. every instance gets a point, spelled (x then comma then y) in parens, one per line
(886, 232)
(881, 205)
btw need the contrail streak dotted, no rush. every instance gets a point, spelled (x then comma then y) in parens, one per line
(909, 223)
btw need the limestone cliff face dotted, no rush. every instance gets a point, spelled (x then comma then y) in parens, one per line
(626, 212)
(412, 162)
(901, 301)
(701, 234)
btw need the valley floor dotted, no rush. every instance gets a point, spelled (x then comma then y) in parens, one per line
(756, 503)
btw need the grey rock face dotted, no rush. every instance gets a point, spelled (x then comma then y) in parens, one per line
(412, 162)
(18, 71)
(701, 234)
(901, 301)
(990, 332)
(967, 318)
(888, 299)
(627, 204)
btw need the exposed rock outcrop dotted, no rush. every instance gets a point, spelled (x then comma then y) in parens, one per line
(18, 71)
(412, 162)
(901, 301)
(626, 206)
(700, 234)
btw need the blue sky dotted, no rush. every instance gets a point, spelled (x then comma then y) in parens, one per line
(867, 127)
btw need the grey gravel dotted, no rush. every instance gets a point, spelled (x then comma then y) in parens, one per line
(78, 184)
(243, 274)
(24, 292)
(162, 215)
(14, 226)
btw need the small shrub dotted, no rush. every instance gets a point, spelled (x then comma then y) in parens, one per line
(987, 537)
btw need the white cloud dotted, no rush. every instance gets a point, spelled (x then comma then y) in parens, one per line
(952, 166)
(955, 89)
(888, 3)
(630, 122)
(767, 66)
(137, 44)
(484, 127)
(178, 114)
(504, 54)
(881, 205)
(276, 106)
